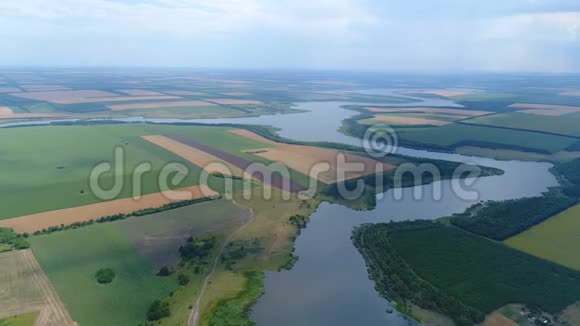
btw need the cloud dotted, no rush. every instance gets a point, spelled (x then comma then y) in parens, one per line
(556, 26)
(186, 18)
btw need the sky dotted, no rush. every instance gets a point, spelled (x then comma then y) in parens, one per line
(369, 35)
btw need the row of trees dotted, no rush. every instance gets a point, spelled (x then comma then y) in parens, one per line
(118, 217)
(10, 240)
(500, 220)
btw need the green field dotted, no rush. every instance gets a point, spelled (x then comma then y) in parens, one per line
(438, 267)
(565, 124)
(133, 248)
(456, 135)
(49, 167)
(22, 320)
(556, 239)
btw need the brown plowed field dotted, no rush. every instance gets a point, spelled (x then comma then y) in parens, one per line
(39, 221)
(25, 288)
(261, 172)
(195, 156)
(304, 159)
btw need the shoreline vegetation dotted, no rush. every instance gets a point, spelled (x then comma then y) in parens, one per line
(425, 263)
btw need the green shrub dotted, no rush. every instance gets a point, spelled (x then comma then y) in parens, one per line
(105, 275)
(158, 310)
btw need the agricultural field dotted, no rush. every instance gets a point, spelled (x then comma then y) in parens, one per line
(523, 120)
(458, 135)
(26, 293)
(135, 249)
(182, 95)
(55, 171)
(556, 239)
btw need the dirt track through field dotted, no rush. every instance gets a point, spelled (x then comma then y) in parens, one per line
(25, 268)
(67, 216)
(195, 314)
(261, 172)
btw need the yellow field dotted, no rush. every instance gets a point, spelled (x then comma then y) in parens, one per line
(556, 239)
(304, 159)
(67, 216)
(195, 156)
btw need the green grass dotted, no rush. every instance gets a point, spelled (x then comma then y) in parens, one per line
(235, 312)
(555, 239)
(565, 124)
(482, 96)
(71, 259)
(48, 167)
(456, 135)
(457, 265)
(500, 220)
(22, 320)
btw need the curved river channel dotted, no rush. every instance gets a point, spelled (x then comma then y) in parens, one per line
(329, 285)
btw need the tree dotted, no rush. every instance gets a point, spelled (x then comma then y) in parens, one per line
(105, 275)
(158, 310)
(182, 279)
(164, 271)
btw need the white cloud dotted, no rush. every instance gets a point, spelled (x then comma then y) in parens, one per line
(557, 26)
(191, 18)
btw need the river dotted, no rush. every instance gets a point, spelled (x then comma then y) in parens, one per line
(329, 285)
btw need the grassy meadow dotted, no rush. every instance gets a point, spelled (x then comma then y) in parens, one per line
(555, 239)
(22, 320)
(132, 248)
